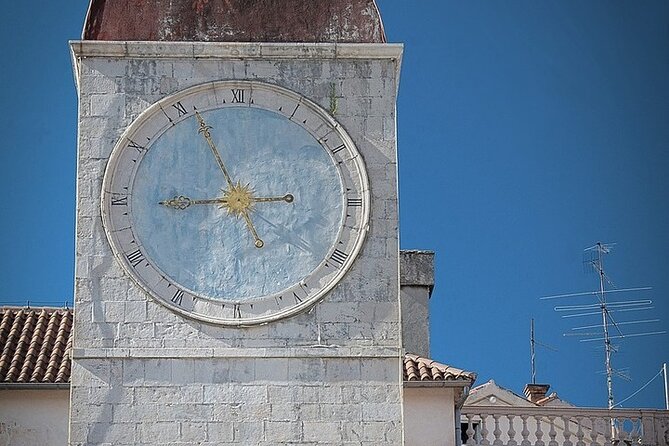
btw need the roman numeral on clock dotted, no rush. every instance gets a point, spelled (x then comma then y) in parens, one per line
(237, 96)
(355, 202)
(294, 111)
(339, 148)
(179, 107)
(339, 257)
(119, 201)
(135, 258)
(136, 146)
(178, 297)
(237, 312)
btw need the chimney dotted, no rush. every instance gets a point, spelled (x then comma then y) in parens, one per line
(416, 283)
(536, 392)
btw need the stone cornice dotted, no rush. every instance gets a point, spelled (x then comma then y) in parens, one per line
(223, 50)
(82, 49)
(315, 351)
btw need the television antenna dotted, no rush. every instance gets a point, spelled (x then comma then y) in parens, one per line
(609, 328)
(533, 343)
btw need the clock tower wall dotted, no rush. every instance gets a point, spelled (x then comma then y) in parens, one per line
(113, 91)
(143, 374)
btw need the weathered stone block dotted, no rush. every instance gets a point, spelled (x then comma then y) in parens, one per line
(220, 431)
(322, 431)
(193, 433)
(282, 431)
(159, 432)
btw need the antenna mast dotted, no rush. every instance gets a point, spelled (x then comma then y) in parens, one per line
(532, 355)
(602, 307)
(598, 264)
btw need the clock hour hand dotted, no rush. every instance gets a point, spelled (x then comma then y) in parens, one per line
(181, 202)
(205, 131)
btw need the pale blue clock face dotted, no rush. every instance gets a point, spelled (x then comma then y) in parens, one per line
(236, 202)
(208, 250)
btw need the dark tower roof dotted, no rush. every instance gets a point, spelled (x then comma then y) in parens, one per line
(345, 21)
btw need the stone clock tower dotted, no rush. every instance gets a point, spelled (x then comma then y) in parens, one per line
(237, 243)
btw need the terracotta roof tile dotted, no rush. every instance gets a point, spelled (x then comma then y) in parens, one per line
(417, 368)
(35, 345)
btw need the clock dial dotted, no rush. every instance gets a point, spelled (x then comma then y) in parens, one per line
(236, 202)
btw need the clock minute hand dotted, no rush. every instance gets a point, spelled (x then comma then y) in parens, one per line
(205, 131)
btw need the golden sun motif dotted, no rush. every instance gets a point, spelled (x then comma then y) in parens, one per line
(238, 199)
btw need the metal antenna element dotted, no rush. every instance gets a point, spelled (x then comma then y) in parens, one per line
(666, 386)
(533, 343)
(594, 260)
(532, 355)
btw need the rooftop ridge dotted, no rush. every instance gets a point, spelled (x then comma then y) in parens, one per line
(417, 368)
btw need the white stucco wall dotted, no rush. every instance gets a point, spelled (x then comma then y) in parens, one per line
(33, 417)
(428, 416)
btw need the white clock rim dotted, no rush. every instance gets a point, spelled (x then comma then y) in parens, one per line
(310, 301)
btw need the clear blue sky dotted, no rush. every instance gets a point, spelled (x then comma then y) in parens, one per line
(527, 132)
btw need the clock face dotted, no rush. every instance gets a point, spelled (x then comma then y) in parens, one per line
(235, 202)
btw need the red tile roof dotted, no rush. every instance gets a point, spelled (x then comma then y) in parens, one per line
(417, 368)
(35, 345)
